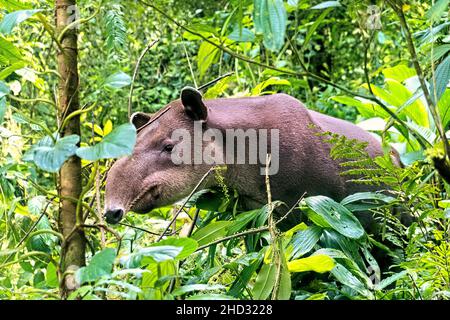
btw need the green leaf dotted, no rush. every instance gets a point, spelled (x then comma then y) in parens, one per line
(347, 278)
(441, 81)
(101, 265)
(211, 232)
(196, 287)
(313, 28)
(2, 109)
(285, 288)
(188, 246)
(264, 282)
(270, 19)
(385, 282)
(51, 276)
(118, 80)
(241, 35)
(14, 18)
(437, 10)
(326, 4)
(120, 142)
(242, 220)
(11, 5)
(9, 54)
(444, 108)
(150, 255)
(318, 263)
(325, 212)
(273, 81)
(207, 55)
(50, 156)
(400, 72)
(211, 297)
(440, 51)
(36, 205)
(304, 240)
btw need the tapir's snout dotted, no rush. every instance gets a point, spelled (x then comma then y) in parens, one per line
(114, 216)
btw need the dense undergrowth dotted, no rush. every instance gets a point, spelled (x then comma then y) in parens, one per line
(323, 53)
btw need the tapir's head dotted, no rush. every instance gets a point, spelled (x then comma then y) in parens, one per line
(149, 178)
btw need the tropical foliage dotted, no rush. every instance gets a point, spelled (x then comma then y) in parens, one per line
(384, 65)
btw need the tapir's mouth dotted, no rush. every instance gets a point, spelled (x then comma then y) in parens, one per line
(145, 201)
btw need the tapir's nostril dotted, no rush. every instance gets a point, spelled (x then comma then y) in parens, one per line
(114, 216)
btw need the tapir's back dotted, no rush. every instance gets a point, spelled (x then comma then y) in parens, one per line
(304, 157)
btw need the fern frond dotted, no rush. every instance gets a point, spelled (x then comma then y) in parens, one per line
(116, 30)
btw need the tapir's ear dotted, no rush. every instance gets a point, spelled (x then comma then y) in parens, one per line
(193, 104)
(138, 119)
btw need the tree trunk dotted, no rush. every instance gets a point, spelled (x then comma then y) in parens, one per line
(73, 248)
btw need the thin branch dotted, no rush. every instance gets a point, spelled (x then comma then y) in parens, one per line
(185, 201)
(31, 229)
(136, 70)
(206, 85)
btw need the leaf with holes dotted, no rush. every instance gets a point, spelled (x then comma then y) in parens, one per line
(327, 213)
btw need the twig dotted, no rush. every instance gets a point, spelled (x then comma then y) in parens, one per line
(236, 235)
(185, 201)
(138, 228)
(206, 85)
(136, 70)
(194, 221)
(250, 231)
(31, 229)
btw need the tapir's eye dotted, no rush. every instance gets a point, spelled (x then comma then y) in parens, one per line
(168, 148)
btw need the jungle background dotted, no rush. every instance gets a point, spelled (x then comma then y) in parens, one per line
(73, 71)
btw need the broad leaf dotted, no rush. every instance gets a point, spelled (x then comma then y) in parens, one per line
(151, 255)
(118, 80)
(50, 156)
(188, 246)
(318, 263)
(440, 82)
(101, 265)
(264, 281)
(211, 232)
(120, 142)
(304, 240)
(241, 35)
(207, 55)
(347, 278)
(326, 4)
(14, 18)
(9, 54)
(325, 212)
(437, 10)
(270, 19)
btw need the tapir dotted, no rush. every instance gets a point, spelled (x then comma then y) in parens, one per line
(149, 178)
